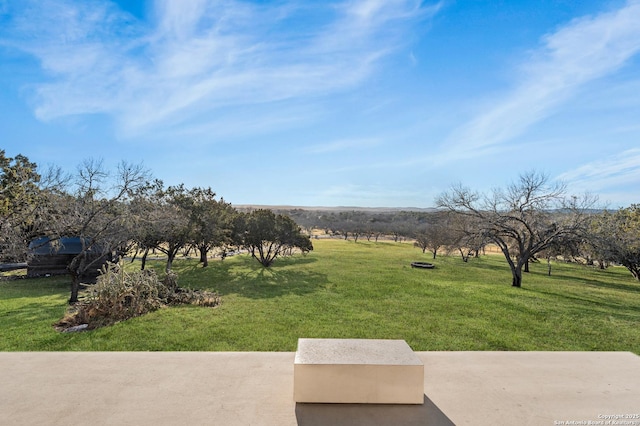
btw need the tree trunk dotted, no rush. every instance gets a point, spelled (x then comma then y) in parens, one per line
(464, 258)
(635, 271)
(75, 287)
(517, 277)
(143, 259)
(434, 253)
(76, 268)
(170, 257)
(204, 256)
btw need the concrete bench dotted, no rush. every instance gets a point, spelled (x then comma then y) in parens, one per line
(357, 371)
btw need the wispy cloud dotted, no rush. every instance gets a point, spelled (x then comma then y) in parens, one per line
(580, 52)
(197, 56)
(606, 175)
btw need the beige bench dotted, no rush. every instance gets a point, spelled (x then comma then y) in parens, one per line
(357, 371)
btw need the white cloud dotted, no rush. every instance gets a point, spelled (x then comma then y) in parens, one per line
(582, 51)
(196, 56)
(608, 176)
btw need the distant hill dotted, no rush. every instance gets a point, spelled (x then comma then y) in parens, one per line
(247, 207)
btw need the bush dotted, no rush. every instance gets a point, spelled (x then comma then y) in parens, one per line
(119, 295)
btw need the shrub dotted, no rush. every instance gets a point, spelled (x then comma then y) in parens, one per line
(119, 295)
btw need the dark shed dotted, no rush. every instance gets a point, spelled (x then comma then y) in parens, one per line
(52, 257)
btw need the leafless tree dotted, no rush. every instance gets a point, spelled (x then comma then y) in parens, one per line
(615, 237)
(432, 237)
(522, 219)
(97, 213)
(462, 236)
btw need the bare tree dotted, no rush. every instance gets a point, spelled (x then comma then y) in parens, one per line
(432, 237)
(462, 236)
(615, 237)
(522, 219)
(98, 215)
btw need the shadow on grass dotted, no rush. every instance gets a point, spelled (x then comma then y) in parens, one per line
(247, 278)
(480, 263)
(596, 283)
(580, 303)
(541, 271)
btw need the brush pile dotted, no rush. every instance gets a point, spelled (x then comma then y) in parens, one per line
(119, 295)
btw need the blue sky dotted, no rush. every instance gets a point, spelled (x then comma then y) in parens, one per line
(335, 103)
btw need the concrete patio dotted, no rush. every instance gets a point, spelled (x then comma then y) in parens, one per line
(224, 388)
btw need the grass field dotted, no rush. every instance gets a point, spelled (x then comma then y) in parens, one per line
(352, 290)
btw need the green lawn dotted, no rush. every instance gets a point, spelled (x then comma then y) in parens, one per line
(353, 290)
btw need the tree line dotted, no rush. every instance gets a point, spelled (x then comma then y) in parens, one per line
(126, 211)
(529, 220)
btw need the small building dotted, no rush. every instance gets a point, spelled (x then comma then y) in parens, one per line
(52, 257)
